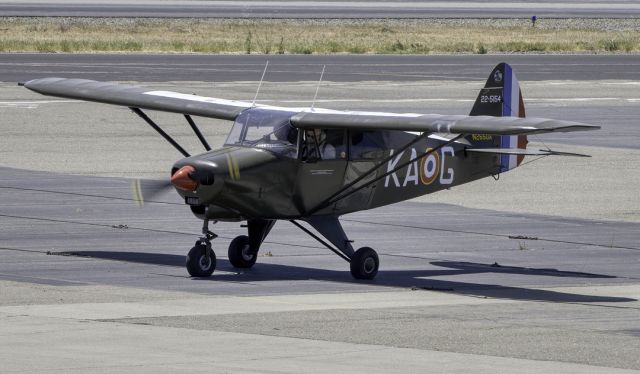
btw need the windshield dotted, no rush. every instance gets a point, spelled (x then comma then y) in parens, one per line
(268, 129)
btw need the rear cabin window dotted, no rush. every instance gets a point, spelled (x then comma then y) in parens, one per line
(372, 145)
(367, 145)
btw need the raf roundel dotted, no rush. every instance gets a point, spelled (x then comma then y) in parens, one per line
(429, 167)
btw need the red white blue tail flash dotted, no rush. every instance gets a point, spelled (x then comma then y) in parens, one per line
(512, 106)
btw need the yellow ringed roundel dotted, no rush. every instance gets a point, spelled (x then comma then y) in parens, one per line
(429, 167)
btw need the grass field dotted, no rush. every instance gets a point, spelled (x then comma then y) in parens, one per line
(318, 36)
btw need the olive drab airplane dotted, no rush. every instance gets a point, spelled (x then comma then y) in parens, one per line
(307, 165)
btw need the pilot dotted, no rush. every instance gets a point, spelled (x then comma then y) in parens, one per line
(316, 139)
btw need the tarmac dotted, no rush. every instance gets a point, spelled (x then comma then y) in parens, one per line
(320, 9)
(534, 273)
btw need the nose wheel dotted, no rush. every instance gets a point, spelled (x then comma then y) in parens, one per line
(201, 260)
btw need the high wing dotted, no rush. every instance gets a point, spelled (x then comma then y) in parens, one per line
(138, 97)
(436, 123)
(167, 101)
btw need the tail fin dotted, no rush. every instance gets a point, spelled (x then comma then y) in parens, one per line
(501, 97)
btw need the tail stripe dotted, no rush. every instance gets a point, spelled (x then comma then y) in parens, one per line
(507, 98)
(510, 108)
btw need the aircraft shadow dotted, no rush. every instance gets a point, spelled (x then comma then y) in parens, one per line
(414, 279)
(471, 267)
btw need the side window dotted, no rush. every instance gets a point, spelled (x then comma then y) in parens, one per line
(323, 144)
(367, 145)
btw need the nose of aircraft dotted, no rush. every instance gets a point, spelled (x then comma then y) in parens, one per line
(187, 178)
(183, 178)
(197, 180)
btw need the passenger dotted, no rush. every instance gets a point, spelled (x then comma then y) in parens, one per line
(316, 139)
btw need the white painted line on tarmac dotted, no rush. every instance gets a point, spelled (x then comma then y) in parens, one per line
(29, 102)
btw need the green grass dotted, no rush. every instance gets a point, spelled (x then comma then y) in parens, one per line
(251, 36)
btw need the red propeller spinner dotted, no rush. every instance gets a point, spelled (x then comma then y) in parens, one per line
(183, 180)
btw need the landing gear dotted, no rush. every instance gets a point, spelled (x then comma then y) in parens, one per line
(240, 253)
(364, 263)
(243, 250)
(201, 260)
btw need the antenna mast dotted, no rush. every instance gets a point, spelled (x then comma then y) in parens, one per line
(260, 84)
(318, 87)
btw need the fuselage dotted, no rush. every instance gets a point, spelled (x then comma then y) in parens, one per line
(264, 171)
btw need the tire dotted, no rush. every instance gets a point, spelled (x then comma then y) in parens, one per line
(240, 254)
(364, 263)
(198, 265)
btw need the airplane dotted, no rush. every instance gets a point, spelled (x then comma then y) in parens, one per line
(312, 165)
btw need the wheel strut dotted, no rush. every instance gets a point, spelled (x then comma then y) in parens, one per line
(207, 235)
(201, 259)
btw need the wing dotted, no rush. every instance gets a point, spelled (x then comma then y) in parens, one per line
(453, 124)
(138, 97)
(142, 98)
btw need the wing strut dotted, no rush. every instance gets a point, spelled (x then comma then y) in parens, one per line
(340, 195)
(160, 131)
(328, 201)
(197, 131)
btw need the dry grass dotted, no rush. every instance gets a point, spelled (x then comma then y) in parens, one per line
(316, 36)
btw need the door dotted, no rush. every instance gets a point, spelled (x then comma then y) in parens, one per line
(323, 160)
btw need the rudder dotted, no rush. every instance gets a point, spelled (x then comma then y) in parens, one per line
(501, 97)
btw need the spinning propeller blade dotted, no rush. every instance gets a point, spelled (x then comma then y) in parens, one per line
(147, 189)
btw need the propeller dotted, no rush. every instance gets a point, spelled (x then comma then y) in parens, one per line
(186, 178)
(148, 189)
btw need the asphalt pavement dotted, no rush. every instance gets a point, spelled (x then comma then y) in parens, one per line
(84, 267)
(18, 67)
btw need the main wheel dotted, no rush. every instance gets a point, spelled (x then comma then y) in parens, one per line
(240, 254)
(364, 263)
(199, 264)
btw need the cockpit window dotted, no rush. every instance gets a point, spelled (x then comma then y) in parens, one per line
(267, 129)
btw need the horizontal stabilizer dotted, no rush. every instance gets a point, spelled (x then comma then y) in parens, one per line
(523, 152)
